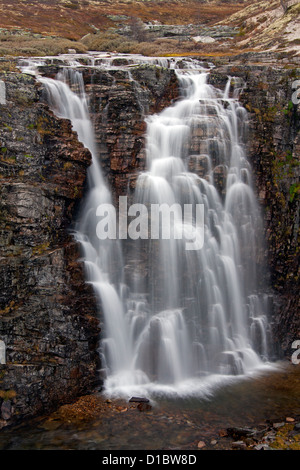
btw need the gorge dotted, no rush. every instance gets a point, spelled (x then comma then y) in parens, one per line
(230, 133)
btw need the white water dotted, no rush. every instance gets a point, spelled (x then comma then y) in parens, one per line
(177, 321)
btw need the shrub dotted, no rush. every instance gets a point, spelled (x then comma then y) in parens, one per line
(28, 45)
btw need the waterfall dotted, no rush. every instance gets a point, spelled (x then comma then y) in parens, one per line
(176, 320)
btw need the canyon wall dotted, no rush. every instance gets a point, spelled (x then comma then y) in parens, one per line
(48, 315)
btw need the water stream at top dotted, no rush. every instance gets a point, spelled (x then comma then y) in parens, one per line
(177, 321)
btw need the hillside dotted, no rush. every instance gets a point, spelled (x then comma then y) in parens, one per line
(166, 27)
(74, 18)
(264, 26)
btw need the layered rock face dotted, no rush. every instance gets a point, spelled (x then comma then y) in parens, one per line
(47, 313)
(274, 140)
(119, 102)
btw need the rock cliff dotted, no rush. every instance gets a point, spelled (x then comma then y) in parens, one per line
(47, 312)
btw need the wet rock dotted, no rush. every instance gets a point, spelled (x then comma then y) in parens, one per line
(237, 433)
(220, 175)
(6, 410)
(118, 105)
(138, 400)
(239, 445)
(203, 39)
(289, 420)
(278, 425)
(262, 447)
(144, 407)
(201, 444)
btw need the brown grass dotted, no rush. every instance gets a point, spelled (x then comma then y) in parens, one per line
(72, 19)
(111, 42)
(16, 45)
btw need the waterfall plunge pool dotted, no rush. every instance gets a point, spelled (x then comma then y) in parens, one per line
(171, 424)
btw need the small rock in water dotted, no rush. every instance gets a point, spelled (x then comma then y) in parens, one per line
(144, 406)
(239, 445)
(240, 432)
(139, 400)
(201, 444)
(289, 420)
(262, 447)
(278, 425)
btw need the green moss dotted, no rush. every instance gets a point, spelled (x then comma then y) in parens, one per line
(278, 444)
(283, 165)
(76, 192)
(289, 108)
(7, 127)
(285, 440)
(270, 113)
(294, 190)
(296, 444)
(42, 126)
(21, 99)
(40, 249)
(68, 166)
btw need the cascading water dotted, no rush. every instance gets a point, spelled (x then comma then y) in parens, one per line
(177, 320)
(195, 315)
(102, 258)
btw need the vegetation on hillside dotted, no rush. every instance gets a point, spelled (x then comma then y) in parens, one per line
(52, 27)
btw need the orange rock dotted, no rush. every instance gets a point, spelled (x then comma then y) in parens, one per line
(201, 444)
